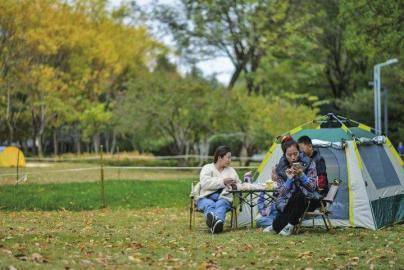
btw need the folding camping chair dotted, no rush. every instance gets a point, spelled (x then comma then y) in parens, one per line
(323, 209)
(195, 190)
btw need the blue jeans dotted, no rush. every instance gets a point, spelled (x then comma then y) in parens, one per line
(213, 204)
(265, 221)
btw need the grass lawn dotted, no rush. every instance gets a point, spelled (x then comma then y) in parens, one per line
(87, 196)
(146, 227)
(68, 172)
(158, 238)
(78, 172)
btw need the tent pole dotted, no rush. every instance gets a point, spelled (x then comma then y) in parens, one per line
(342, 124)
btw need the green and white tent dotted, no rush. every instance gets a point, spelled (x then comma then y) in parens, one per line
(371, 193)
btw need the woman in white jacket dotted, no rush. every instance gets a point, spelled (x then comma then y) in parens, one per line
(215, 181)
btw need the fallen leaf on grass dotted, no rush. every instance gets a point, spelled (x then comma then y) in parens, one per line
(86, 262)
(305, 255)
(136, 260)
(169, 258)
(136, 245)
(268, 261)
(7, 252)
(354, 261)
(247, 247)
(209, 265)
(38, 258)
(21, 257)
(101, 261)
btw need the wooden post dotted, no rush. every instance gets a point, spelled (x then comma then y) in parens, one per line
(119, 165)
(104, 204)
(18, 161)
(16, 176)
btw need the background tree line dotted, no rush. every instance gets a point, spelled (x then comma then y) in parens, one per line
(77, 74)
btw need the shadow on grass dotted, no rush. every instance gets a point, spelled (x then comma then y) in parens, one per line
(87, 196)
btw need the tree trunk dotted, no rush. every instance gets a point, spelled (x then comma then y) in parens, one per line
(187, 153)
(8, 119)
(96, 142)
(180, 148)
(106, 138)
(77, 143)
(244, 158)
(196, 152)
(10, 133)
(203, 151)
(78, 146)
(38, 127)
(113, 142)
(181, 151)
(24, 147)
(34, 148)
(250, 152)
(38, 143)
(235, 76)
(55, 142)
(243, 155)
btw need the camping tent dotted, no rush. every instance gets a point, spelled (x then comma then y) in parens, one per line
(9, 156)
(371, 193)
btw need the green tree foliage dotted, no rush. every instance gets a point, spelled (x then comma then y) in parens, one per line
(375, 32)
(290, 62)
(325, 48)
(167, 108)
(379, 32)
(357, 107)
(240, 30)
(62, 64)
(187, 114)
(257, 119)
(81, 73)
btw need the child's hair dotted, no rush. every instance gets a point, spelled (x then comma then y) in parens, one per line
(305, 139)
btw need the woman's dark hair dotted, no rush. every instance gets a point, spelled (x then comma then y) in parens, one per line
(287, 142)
(221, 151)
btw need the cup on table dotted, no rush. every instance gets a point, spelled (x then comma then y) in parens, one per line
(269, 185)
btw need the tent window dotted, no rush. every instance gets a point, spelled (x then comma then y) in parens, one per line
(379, 166)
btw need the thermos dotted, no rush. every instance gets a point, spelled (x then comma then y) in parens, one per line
(248, 177)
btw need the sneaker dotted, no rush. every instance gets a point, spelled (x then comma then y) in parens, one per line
(210, 219)
(268, 229)
(287, 230)
(217, 227)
